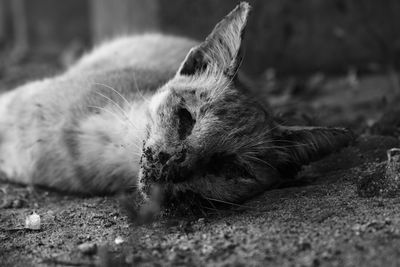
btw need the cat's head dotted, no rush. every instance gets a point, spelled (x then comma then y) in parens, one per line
(208, 135)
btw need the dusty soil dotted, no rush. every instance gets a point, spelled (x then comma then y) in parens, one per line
(343, 210)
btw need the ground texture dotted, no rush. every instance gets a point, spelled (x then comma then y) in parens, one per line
(343, 210)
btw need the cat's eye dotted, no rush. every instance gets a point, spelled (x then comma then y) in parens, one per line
(185, 123)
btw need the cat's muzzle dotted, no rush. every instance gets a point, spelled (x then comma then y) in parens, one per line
(164, 168)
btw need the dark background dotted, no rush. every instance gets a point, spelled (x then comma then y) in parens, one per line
(292, 37)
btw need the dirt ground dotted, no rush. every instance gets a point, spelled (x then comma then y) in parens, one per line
(343, 210)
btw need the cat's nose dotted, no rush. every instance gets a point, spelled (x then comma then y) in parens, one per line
(176, 156)
(172, 169)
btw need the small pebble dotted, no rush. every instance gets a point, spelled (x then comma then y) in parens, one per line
(119, 240)
(32, 222)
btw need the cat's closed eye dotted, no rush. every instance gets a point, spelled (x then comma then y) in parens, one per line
(185, 123)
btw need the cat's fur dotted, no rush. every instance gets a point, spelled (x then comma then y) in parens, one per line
(155, 111)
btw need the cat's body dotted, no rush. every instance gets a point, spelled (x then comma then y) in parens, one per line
(146, 112)
(63, 132)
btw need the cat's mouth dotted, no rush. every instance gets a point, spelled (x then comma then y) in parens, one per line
(177, 171)
(183, 183)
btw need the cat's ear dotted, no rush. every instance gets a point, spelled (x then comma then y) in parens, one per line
(298, 146)
(221, 49)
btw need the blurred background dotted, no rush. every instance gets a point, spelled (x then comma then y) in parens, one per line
(301, 36)
(292, 47)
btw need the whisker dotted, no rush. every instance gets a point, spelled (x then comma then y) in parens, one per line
(112, 101)
(116, 116)
(227, 202)
(260, 160)
(212, 204)
(110, 112)
(120, 108)
(137, 89)
(273, 128)
(115, 91)
(123, 98)
(287, 141)
(264, 145)
(278, 147)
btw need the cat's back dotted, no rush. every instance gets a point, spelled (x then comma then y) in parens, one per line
(156, 52)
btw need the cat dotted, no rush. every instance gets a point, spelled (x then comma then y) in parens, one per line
(160, 114)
